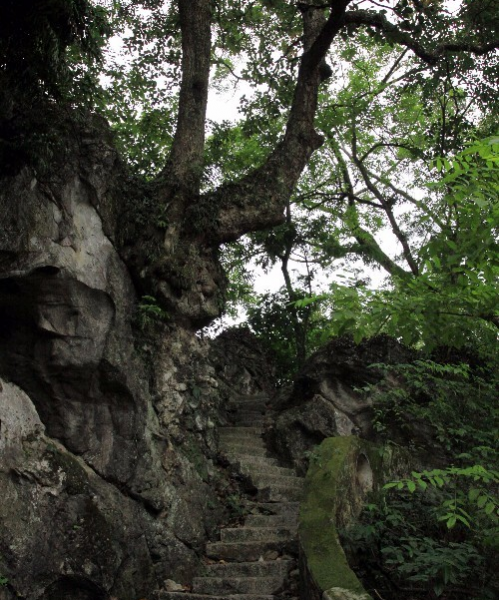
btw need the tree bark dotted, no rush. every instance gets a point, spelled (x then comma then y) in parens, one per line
(185, 163)
(259, 199)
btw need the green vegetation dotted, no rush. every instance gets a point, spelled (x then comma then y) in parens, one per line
(149, 312)
(435, 533)
(439, 541)
(364, 122)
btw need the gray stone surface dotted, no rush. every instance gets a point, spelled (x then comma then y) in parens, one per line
(98, 418)
(325, 401)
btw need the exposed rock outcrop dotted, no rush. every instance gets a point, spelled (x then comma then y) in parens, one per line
(109, 484)
(326, 399)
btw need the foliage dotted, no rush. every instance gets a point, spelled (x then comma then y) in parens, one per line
(48, 51)
(269, 319)
(35, 37)
(149, 312)
(408, 542)
(406, 160)
(452, 509)
(451, 297)
(456, 400)
(437, 528)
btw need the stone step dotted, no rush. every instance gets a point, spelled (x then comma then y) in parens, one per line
(256, 534)
(249, 460)
(242, 441)
(242, 449)
(248, 551)
(242, 406)
(249, 442)
(190, 596)
(240, 431)
(237, 585)
(245, 441)
(249, 416)
(289, 521)
(249, 399)
(268, 470)
(276, 508)
(258, 568)
(249, 412)
(249, 422)
(269, 480)
(246, 410)
(279, 494)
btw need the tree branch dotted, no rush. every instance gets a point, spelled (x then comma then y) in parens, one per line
(185, 163)
(431, 57)
(366, 244)
(273, 183)
(388, 210)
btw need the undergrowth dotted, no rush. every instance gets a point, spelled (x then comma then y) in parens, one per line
(435, 532)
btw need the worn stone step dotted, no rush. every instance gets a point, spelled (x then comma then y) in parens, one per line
(244, 449)
(237, 585)
(248, 409)
(244, 441)
(249, 442)
(240, 431)
(267, 470)
(248, 460)
(249, 417)
(256, 534)
(289, 521)
(249, 403)
(248, 422)
(249, 413)
(276, 508)
(247, 551)
(242, 398)
(276, 493)
(191, 596)
(264, 481)
(258, 568)
(256, 421)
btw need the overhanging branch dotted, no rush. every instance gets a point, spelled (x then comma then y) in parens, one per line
(430, 56)
(262, 195)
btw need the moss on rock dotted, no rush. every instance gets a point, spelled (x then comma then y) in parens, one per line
(341, 471)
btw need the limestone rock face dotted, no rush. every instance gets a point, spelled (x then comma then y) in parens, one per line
(56, 512)
(64, 298)
(239, 357)
(107, 478)
(325, 402)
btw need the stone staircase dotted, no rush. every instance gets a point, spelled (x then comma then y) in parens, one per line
(256, 560)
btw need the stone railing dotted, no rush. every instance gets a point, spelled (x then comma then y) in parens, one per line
(342, 471)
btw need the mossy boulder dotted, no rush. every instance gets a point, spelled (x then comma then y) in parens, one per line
(342, 471)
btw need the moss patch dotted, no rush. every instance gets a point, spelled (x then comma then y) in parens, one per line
(332, 495)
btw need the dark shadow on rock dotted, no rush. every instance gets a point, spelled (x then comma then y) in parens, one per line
(74, 588)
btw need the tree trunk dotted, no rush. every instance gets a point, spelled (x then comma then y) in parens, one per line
(181, 267)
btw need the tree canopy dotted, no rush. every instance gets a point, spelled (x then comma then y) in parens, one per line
(363, 119)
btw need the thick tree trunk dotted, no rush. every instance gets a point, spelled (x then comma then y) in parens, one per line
(183, 271)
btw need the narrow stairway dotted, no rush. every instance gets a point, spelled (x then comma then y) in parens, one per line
(254, 560)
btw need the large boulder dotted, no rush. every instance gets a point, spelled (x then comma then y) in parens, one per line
(62, 527)
(327, 398)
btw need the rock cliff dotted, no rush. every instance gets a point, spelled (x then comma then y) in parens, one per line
(107, 421)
